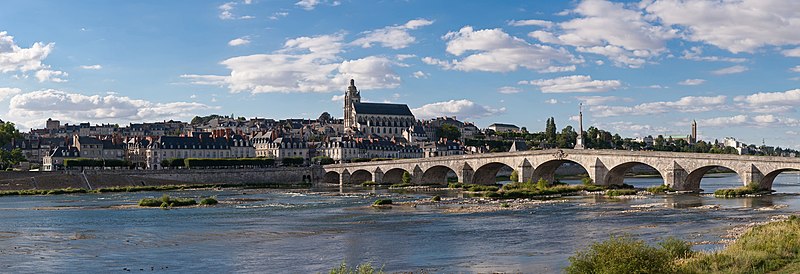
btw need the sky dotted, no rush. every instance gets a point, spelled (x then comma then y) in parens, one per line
(638, 67)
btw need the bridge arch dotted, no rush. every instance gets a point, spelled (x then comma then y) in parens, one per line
(769, 178)
(331, 177)
(616, 174)
(695, 176)
(360, 176)
(394, 176)
(487, 173)
(438, 174)
(547, 169)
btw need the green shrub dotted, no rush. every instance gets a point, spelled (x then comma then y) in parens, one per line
(150, 202)
(514, 176)
(364, 268)
(182, 202)
(621, 192)
(165, 201)
(542, 184)
(322, 160)
(659, 189)
(676, 248)
(379, 202)
(587, 181)
(436, 198)
(208, 201)
(406, 179)
(620, 255)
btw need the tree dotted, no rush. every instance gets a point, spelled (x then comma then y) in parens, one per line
(550, 130)
(514, 176)
(567, 138)
(8, 131)
(10, 158)
(450, 132)
(406, 178)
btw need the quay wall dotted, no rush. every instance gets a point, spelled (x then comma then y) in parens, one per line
(93, 179)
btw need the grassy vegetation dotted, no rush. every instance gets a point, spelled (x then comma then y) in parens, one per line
(769, 248)
(166, 201)
(364, 268)
(71, 190)
(436, 198)
(474, 187)
(621, 192)
(750, 189)
(209, 201)
(380, 202)
(660, 189)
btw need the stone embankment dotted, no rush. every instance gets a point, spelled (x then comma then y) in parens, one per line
(93, 179)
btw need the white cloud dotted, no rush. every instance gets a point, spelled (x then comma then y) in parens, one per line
(419, 74)
(531, 22)
(401, 57)
(226, 11)
(736, 26)
(338, 98)
(795, 69)
(14, 58)
(597, 100)
(757, 121)
(304, 64)
(239, 41)
(8, 92)
(795, 52)
(723, 121)
(696, 54)
(509, 90)
(634, 129)
(311, 4)
(789, 97)
(92, 67)
(29, 108)
(574, 83)
(684, 104)
(692, 82)
(464, 109)
(395, 37)
(551, 101)
(496, 51)
(278, 15)
(46, 75)
(730, 70)
(625, 36)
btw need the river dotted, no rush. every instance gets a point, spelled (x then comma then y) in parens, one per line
(311, 231)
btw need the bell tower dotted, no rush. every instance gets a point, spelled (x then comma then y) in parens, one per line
(351, 96)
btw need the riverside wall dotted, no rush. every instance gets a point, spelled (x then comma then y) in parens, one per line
(13, 180)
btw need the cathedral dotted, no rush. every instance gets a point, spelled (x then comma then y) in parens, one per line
(385, 120)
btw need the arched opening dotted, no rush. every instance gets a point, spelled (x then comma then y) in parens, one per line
(393, 176)
(565, 171)
(360, 176)
(712, 178)
(491, 173)
(331, 177)
(786, 180)
(637, 174)
(439, 175)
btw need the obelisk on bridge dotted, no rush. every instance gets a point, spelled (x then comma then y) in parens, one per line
(579, 140)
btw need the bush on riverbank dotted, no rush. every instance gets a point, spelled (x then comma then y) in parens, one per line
(209, 201)
(363, 268)
(474, 187)
(751, 188)
(166, 201)
(621, 255)
(661, 189)
(621, 192)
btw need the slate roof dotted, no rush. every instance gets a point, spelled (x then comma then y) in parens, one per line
(382, 109)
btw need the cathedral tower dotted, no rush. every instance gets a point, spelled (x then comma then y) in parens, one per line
(351, 96)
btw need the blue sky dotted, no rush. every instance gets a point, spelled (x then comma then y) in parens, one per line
(639, 68)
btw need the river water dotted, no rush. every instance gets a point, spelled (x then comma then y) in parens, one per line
(302, 231)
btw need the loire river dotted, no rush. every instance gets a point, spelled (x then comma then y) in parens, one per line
(280, 231)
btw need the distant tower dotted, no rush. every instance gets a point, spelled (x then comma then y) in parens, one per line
(351, 96)
(693, 139)
(579, 140)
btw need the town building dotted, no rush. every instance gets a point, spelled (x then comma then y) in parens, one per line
(498, 127)
(379, 119)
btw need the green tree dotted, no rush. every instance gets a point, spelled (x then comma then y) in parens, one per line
(8, 131)
(448, 131)
(514, 176)
(550, 130)
(406, 179)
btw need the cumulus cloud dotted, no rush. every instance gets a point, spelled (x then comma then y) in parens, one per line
(419, 74)
(625, 36)
(92, 67)
(395, 37)
(551, 101)
(509, 90)
(574, 83)
(8, 92)
(692, 82)
(46, 75)
(758, 121)
(304, 64)
(493, 50)
(311, 4)
(463, 108)
(736, 26)
(29, 108)
(684, 104)
(696, 54)
(278, 15)
(226, 11)
(531, 22)
(633, 128)
(795, 52)
(789, 97)
(239, 41)
(730, 70)
(338, 98)
(598, 100)
(795, 69)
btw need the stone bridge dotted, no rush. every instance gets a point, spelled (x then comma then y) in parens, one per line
(683, 171)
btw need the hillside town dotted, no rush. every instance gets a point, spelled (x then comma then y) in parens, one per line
(366, 132)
